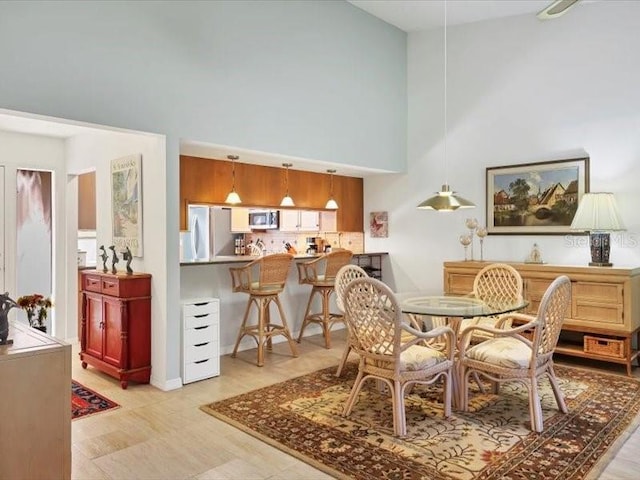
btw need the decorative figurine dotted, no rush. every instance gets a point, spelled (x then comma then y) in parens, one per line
(535, 256)
(114, 260)
(104, 257)
(6, 304)
(126, 255)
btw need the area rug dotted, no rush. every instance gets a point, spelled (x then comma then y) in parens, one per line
(303, 417)
(85, 402)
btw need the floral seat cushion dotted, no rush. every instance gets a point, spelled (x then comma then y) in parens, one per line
(416, 357)
(505, 352)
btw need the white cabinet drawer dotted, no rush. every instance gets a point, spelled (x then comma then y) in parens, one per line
(200, 351)
(200, 320)
(208, 333)
(192, 309)
(202, 369)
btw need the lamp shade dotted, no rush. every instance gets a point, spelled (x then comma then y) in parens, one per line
(597, 212)
(445, 201)
(233, 198)
(287, 201)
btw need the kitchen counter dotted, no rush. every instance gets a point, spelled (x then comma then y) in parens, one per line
(212, 279)
(222, 259)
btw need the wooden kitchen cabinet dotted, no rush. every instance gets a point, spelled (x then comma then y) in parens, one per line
(87, 201)
(604, 315)
(208, 181)
(116, 325)
(35, 411)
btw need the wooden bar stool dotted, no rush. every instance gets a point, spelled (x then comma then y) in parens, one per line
(263, 279)
(321, 275)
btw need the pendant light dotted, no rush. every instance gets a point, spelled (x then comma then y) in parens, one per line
(287, 201)
(445, 200)
(233, 198)
(331, 203)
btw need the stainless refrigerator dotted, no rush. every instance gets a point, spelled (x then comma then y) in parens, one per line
(209, 233)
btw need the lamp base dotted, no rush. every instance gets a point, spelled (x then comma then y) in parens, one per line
(600, 248)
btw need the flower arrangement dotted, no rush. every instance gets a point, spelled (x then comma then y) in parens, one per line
(36, 306)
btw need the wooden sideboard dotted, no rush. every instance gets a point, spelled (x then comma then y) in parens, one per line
(116, 324)
(604, 314)
(35, 411)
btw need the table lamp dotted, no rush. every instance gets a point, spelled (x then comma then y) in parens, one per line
(598, 214)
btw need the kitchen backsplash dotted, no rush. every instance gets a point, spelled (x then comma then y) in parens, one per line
(274, 241)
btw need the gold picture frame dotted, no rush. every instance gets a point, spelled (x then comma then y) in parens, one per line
(535, 198)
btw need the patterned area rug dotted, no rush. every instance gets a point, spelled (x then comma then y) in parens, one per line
(85, 402)
(303, 417)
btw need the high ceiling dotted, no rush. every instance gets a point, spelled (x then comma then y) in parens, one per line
(414, 15)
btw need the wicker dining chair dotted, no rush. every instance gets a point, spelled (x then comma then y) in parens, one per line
(263, 279)
(321, 273)
(376, 324)
(344, 277)
(511, 356)
(496, 284)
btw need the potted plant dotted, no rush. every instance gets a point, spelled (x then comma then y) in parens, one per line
(36, 306)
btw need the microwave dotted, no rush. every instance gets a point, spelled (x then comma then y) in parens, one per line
(263, 219)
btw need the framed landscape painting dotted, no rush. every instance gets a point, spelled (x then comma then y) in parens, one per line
(535, 198)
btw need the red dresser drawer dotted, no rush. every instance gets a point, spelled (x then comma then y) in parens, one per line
(91, 283)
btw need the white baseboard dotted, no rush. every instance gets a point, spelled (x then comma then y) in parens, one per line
(172, 384)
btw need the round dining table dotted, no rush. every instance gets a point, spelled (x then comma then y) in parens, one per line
(451, 310)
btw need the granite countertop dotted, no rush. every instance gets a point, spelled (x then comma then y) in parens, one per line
(222, 259)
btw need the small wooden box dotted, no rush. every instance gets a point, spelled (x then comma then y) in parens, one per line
(607, 347)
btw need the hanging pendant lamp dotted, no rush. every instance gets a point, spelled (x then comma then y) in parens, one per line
(445, 200)
(233, 198)
(331, 203)
(287, 201)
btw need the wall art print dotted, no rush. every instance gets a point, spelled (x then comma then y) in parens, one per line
(379, 224)
(126, 203)
(535, 198)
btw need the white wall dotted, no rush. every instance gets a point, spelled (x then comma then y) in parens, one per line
(22, 151)
(519, 90)
(97, 150)
(313, 79)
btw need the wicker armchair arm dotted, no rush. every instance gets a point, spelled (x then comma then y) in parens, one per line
(308, 271)
(516, 332)
(241, 277)
(445, 331)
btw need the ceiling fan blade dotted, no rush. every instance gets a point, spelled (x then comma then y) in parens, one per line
(555, 9)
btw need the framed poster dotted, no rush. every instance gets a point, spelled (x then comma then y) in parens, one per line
(379, 224)
(126, 203)
(535, 198)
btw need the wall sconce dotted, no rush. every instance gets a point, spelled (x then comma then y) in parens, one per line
(287, 201)
(598, 214)
(233, 198)
(331, 203)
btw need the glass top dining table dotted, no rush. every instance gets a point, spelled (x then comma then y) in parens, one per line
(428, 310)
(418, 303)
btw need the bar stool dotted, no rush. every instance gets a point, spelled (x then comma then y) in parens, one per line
(263, 279)
(321, 275)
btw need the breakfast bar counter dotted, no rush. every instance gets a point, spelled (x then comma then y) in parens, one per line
(211, 279)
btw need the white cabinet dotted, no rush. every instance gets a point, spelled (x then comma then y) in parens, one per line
(299, 221)
(200, 339)
(240, 220)
(329, 221)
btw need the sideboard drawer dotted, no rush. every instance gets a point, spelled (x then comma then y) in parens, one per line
(597, 292)
(92, 283)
